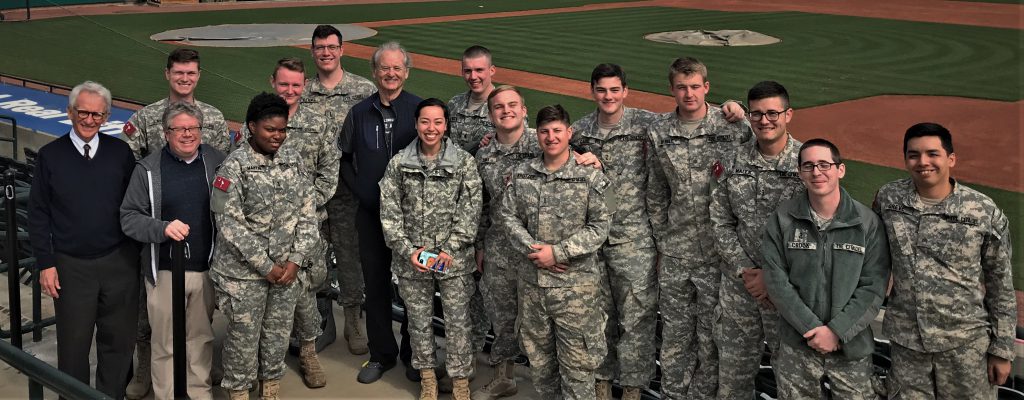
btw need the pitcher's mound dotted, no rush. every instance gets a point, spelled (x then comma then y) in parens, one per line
(725, 37)
(256, 35)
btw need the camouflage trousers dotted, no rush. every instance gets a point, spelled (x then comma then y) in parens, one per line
(341, 215)
(960, 373)
(629, 291)
(562, 332)
(418, 295)
(689, 359)
(308, 321)
(741, 329)
(478, 320)
(500, 295)
(259, 321)
(798, 374)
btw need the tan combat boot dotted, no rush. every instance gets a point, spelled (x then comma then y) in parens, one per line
(603, 390)
(631, 393)
(309, 364)
(238, 394)
(460, 389)
(428, 384)
(353, 332)
(271, 387)
(503, 384)
(142, 381)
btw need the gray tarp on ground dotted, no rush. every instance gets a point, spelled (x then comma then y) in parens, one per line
(256, 35)
(725, 37)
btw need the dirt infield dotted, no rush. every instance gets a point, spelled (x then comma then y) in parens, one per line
(947, 12)
(870, 130)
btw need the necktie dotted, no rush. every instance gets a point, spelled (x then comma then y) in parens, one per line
(86, 148)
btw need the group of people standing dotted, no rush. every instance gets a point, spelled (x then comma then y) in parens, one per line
(566, 239)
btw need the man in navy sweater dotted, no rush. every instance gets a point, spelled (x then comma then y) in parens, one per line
(84, 261)
(375, 130)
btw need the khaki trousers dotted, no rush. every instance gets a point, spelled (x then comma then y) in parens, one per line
(199, 304)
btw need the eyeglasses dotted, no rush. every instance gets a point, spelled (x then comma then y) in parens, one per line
(385, 69)
(771, 114)
(822, 166)
(187, 129)
(90, 114)
(321, 48)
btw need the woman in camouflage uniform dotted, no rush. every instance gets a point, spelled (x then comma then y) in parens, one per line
(430, 202)
(263, 204)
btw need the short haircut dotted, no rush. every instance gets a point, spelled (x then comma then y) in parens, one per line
(180, 107)
(687, 66)
(390, 46)
(289, 63)
(182, 55)
(324, 32)
(768, 89)
(475, 51)
(505, 88)
(91, 87)
(929, 129)
(266, 105)
(551, 114)
(434, 102)
(607, 70)
(819, 142)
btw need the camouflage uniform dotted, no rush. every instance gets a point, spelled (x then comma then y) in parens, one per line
(466, 127)
(952, 301)
(434, 204)
(685, 165)
(144, 131)
(747, 194)
(265, 213)
(561, 323)
(798, 373)
(496, 163)
(628, 257)
(341, 208)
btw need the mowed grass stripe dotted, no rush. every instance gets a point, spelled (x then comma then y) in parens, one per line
(824, 58)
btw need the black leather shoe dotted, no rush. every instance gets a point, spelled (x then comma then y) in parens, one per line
(373, 370)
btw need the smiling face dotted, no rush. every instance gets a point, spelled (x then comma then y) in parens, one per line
(184, 144)
(689, 92)
(183, 78)
(327, 53)
(477, 73)
(928, 163)
(554, 139)
(288, 84)
(88, 114)
(768, 131)
(430, 126)
(609, 93)
(820, 183)
(268, 134)
(507, 111)
(390, 72)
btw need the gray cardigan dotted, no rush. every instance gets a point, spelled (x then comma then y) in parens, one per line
(140, 209)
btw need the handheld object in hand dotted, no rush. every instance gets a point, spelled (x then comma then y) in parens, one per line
(432, 262)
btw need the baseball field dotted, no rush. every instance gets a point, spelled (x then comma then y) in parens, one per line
(859, 73)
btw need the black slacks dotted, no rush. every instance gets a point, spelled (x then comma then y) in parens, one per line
(375, 257)
(100, 293)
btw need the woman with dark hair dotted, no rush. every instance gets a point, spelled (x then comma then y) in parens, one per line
(430, 206)
(263, 204)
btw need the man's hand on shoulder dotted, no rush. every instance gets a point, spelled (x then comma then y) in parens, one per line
(587, 159)
(49, 282)
(733, 111)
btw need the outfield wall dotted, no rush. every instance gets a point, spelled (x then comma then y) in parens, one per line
(13, 4)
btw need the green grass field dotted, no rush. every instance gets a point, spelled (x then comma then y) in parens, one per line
(822, 59)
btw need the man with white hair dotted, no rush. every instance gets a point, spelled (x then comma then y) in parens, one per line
(83, 260)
